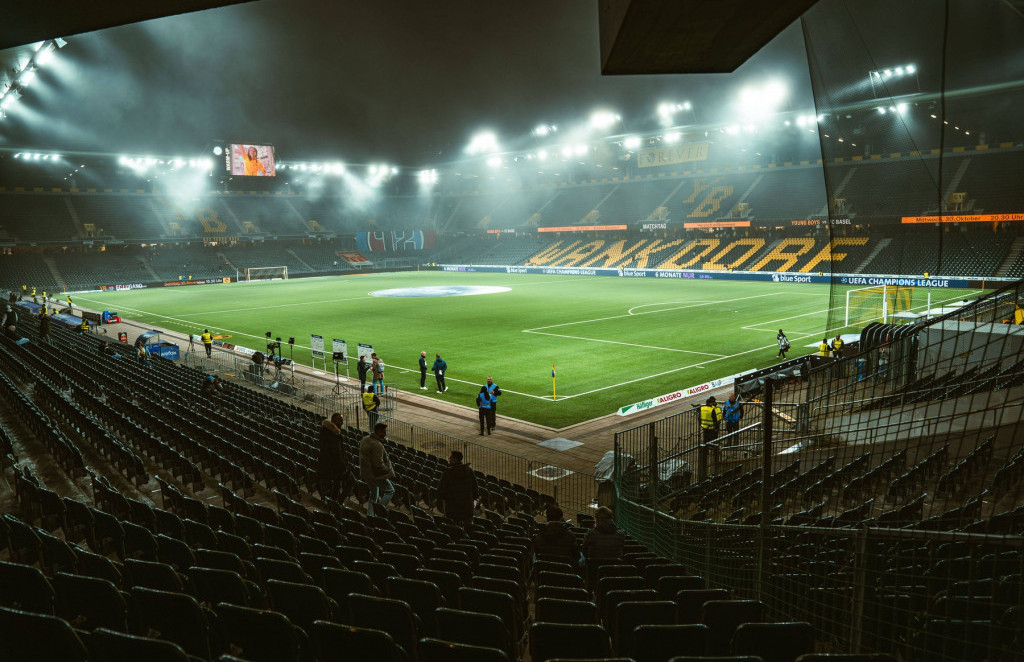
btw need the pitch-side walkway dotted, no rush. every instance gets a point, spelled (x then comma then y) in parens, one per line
(512, 435)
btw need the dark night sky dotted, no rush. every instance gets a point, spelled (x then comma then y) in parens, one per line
(400, 80)
(409, 82)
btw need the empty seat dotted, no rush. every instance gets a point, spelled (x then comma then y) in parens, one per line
(174, 617)
(565, 579)
(89, 602)
(27, 636)
(689, 604)
(151, 574)
(447, 582)
(301, 603)
(424, 597)
(435, 650)
(114, 646)
(24, 587)
(723, 617)
(393, 616)
(668, 585)
(658, 643)
(630, 614)
(553, 640)
(285, 571)
(562, 593)
(341, 643)
(551, 610)
(260, 635)
(475, 629)
(213, 585)
(773, 642)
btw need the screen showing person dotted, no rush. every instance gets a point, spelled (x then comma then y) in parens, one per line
(252, 160)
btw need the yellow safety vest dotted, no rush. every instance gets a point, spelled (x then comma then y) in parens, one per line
(368, 403)
(207, 339)
(85, 324)
(823, 349)
(837, 345)
(710, 416)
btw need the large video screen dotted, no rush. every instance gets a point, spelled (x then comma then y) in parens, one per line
(252, 160)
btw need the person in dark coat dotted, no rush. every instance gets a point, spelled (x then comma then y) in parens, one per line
(362, 367)
(457, 490)
(332, 469)
(44, 328)
(604, 541)
(423, 371)
(555, 537)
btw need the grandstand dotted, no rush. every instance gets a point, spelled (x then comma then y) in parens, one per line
(867, 505)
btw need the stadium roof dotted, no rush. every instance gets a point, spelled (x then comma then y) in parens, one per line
(26, 22)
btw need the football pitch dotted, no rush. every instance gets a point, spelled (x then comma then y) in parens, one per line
(613, 341)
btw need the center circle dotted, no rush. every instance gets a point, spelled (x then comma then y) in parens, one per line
(440, 291)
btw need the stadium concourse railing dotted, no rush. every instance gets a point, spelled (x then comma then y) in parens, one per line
(878, 497)
(575, 492)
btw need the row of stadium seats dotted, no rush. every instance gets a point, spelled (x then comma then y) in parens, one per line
(870, 190)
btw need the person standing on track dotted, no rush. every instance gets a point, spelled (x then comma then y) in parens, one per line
(783, 344)
(484, 403)
(823, 347)
(439, 367)
(423, 371)
(208, 342)
(495, 391)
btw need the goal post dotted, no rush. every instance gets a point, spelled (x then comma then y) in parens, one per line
(877, 304)
(266, 273)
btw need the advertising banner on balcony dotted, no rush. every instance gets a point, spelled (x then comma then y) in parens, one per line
(656, 157)
(393, 242)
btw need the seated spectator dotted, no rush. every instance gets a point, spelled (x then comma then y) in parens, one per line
(555, 537)
(604, 541)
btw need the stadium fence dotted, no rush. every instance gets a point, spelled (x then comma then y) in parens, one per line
(877, 497)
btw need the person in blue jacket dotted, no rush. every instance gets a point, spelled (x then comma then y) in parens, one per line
(495, 391)
(732, 412)
(484, 402)
(439, 367)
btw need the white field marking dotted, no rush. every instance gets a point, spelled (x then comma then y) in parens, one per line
(279, 305)
(702, 364)
(614, 317)
(629, 344)
(665, 303)
(249, 335)
(753, 327)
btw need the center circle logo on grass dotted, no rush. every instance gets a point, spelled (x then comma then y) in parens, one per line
(440, 291)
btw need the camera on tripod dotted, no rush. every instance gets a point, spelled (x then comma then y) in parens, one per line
(273, 346)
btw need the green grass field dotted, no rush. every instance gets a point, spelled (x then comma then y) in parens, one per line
(613, 341)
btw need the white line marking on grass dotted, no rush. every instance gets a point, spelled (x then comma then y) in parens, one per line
(665, 303)
(279, 305)
(753, 327)
(614, 317)
(616, 342)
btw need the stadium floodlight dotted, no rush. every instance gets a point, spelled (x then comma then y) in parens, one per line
(542, 130)
(542, 155)
(673, 137)
(427, 177)
(901, 108)
(494, 162)
(881, 110)
(911, 69)
(27, 76)
(484, 142)
(631, 142)
(603, 119)
(887, 73)
(759, 101)
(580, 149)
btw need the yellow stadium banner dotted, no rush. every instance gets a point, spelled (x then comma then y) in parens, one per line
(664, 156)
(964, 218)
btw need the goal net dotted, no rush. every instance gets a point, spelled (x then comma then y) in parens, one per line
(877, 304)
(266, 273)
